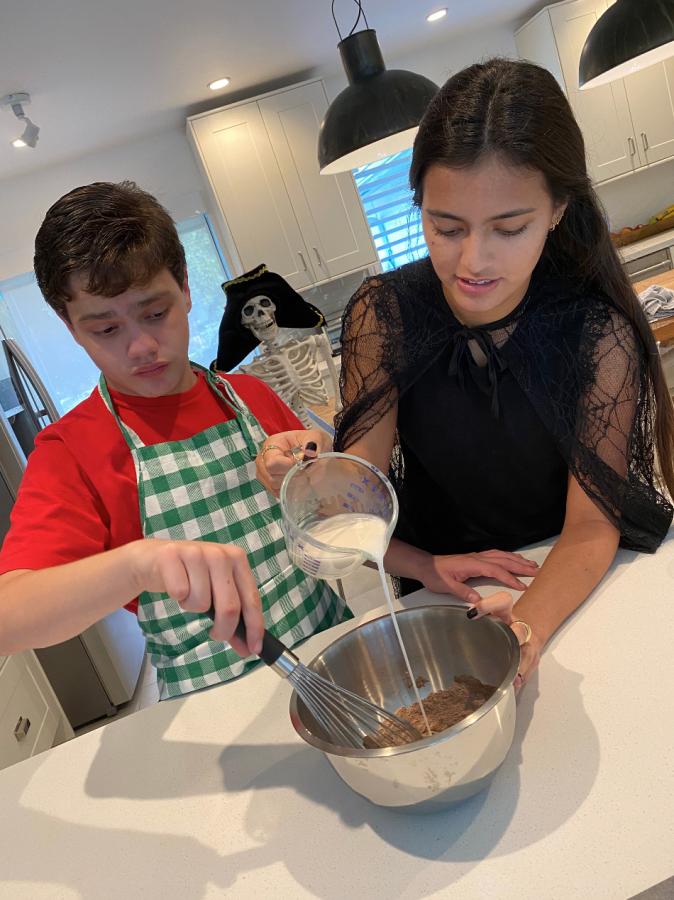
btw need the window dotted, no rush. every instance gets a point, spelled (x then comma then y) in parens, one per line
(66, 370)
(206, 271)
(387, 199)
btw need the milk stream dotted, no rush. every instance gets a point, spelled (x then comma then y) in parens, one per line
(357, 531)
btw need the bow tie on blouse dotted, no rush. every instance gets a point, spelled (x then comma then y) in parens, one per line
(495, 364)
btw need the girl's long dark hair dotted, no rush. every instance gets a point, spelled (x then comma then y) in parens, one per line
(518, 111)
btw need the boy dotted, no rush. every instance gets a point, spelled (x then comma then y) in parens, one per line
(147, 488)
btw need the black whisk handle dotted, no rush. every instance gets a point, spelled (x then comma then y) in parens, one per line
(272, 648)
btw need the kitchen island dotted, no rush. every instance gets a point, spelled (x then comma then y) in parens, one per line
(214, 795)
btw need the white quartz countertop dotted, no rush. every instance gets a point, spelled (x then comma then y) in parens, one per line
(649, 245)
(213, 795)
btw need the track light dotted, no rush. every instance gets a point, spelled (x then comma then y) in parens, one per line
(16, 103)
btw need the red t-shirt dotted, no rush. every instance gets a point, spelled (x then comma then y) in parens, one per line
(79, 494)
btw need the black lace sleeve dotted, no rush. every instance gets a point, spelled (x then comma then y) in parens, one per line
(613, 453)
(583, 368)
(372, 349)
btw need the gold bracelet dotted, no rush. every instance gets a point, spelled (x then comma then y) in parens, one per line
(528, 628)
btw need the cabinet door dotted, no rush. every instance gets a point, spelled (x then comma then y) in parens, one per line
(328, 207)
(238, 157)
(27, 724)
(650, 94)
(602, 112)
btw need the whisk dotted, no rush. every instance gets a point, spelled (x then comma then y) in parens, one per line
(346, 718)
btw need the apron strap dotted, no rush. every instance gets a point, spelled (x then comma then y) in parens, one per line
(131, 438)
(247, 421)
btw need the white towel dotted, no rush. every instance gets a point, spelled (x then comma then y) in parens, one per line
(657, 301)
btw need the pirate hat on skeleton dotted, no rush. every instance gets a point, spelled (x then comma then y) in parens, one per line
(292, 311)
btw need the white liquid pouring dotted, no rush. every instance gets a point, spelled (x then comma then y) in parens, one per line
(356, 531)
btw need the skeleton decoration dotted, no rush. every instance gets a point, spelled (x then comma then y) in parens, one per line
(258, 315)
(290, 368)
(258, 305)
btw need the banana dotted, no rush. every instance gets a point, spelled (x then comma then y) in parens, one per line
(663, 214)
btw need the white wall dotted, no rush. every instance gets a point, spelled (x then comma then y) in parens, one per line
(162, 165)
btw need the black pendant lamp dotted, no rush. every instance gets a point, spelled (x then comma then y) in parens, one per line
(378, 114)
(629, 36)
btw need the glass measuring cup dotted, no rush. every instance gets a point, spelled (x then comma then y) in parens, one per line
(335, 484)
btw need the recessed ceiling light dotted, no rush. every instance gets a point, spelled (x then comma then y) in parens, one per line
(19, 143)
(438, 14)
(220, 83)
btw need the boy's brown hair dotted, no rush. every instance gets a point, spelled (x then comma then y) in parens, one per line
(115, 236)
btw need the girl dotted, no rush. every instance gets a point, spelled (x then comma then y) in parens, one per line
(509, 381)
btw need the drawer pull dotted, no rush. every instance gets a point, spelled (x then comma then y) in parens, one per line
(632, 145)
(318, 257)
(660, 267)
(644, 139)
(21, 729)
(302, 258)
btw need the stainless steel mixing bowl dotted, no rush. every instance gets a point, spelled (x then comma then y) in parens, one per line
(441, 642)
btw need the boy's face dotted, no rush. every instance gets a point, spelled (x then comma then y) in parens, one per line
(137, 339)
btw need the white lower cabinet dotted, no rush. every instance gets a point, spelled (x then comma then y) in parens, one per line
(31, 718)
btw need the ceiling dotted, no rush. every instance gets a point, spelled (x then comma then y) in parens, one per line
(103, 73)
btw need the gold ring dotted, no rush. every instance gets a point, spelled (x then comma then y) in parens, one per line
(269, 447)
(528, 628)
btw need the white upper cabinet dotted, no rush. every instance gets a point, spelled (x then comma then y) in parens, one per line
(327, 207)
(555, 39)
(650, 94)
(236, 153)
(627, 123)
(259, 158)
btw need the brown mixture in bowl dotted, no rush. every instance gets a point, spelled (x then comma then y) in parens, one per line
(443, 708)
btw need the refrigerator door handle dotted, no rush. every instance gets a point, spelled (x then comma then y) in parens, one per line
(21, 368)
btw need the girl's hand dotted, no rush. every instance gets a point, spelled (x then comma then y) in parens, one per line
(501, 606)
(446, 574)
(273, 466)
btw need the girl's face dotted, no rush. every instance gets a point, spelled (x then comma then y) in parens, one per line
(485, 228)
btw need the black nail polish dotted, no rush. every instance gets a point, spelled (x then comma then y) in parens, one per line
(311, 446)
(471, 613)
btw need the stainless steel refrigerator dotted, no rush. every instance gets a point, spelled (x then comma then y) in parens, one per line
(94, 673)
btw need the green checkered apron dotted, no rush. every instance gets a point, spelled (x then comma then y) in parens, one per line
(204, 489)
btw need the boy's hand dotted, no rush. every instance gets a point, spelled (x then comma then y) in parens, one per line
(273, 465)
(194, 573)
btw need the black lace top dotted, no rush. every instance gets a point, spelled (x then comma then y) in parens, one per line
(484, 452)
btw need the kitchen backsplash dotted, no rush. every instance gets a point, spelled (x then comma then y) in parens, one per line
(632, 200)
(332, 296)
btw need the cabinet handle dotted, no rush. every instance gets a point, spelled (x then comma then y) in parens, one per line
(632, 145)
(302, 258)
(21, 729)
(643, 273)
(644, 139)
(318, 257)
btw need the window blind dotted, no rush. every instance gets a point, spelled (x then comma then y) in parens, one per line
(387, 199)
